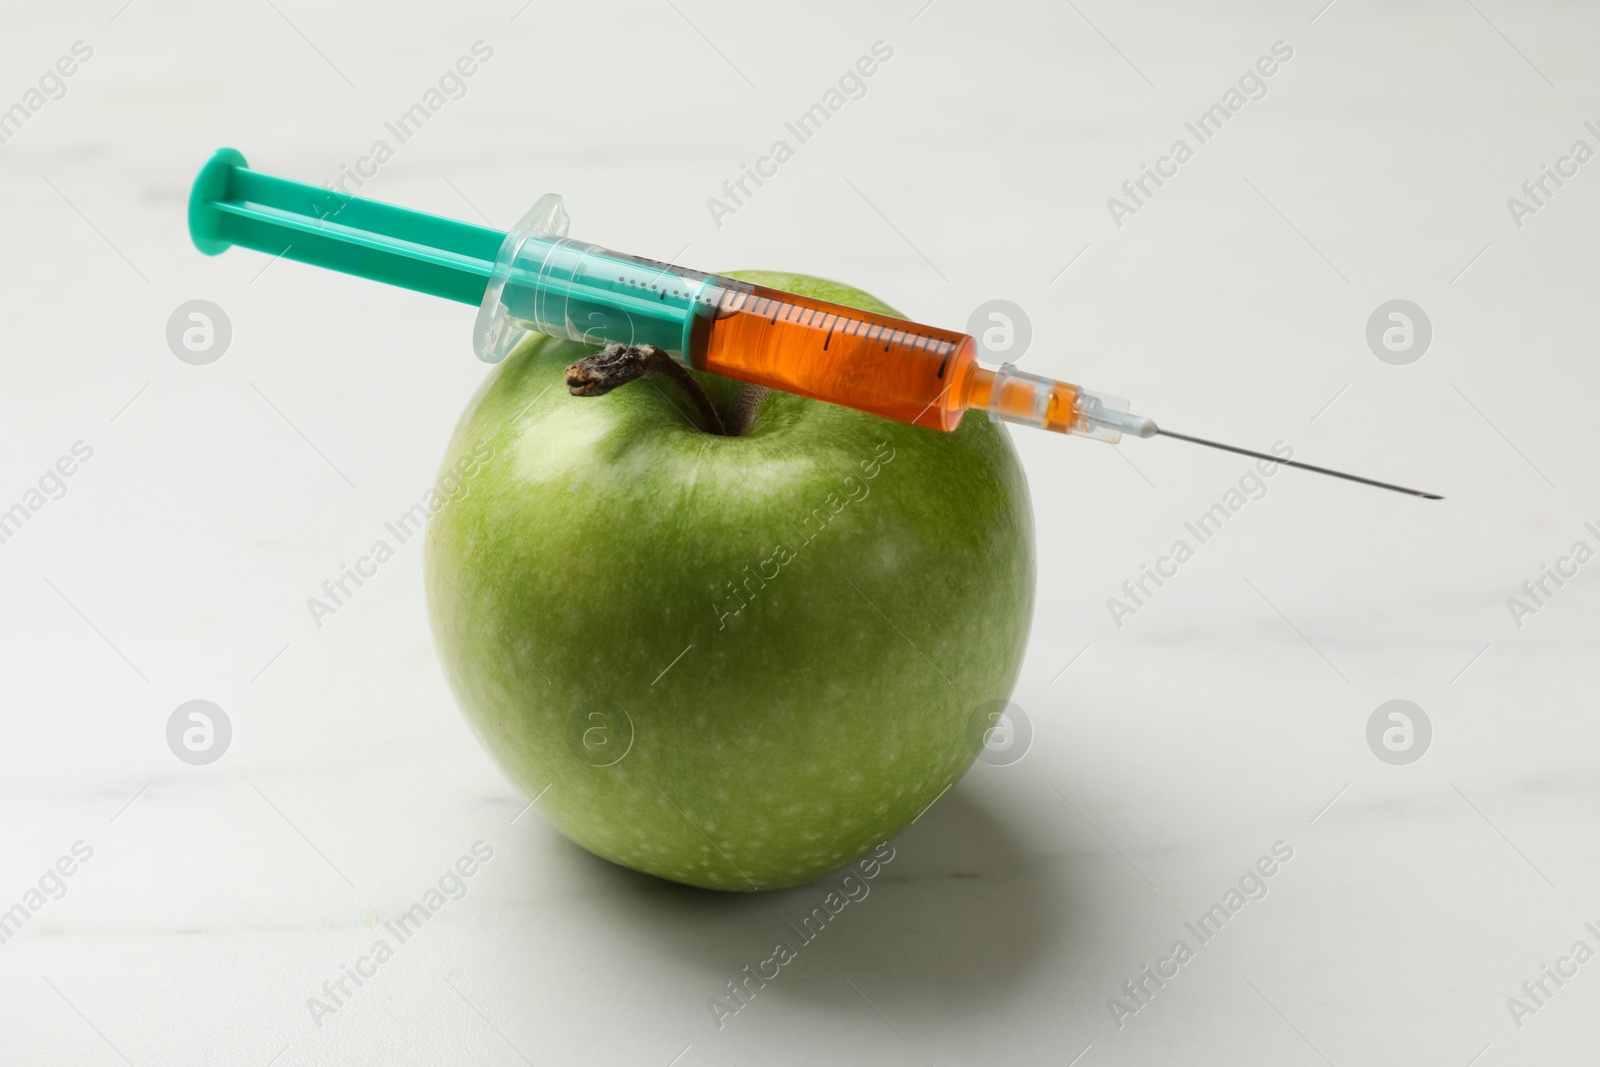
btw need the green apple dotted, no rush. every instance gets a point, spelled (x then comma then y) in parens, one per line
(734, 662)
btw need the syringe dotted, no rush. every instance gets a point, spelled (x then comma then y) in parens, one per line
(535, 278)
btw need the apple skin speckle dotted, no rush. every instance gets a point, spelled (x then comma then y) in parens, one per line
(610, 610)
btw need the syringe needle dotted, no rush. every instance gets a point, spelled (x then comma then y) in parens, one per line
(1297, 463)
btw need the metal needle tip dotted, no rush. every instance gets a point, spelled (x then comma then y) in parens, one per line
(1303, 466)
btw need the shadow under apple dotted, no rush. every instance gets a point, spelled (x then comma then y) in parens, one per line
(960, 917)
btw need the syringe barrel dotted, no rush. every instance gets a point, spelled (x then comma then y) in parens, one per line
(581, 291)
(859, 359)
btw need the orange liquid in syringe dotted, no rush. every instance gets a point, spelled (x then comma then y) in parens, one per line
(886, 366)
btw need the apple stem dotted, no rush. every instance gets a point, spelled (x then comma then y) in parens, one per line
(744, 414)
(615, 365)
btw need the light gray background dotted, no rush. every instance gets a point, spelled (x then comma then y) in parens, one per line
(1228, 714)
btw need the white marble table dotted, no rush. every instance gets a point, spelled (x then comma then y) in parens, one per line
(1170, 753)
